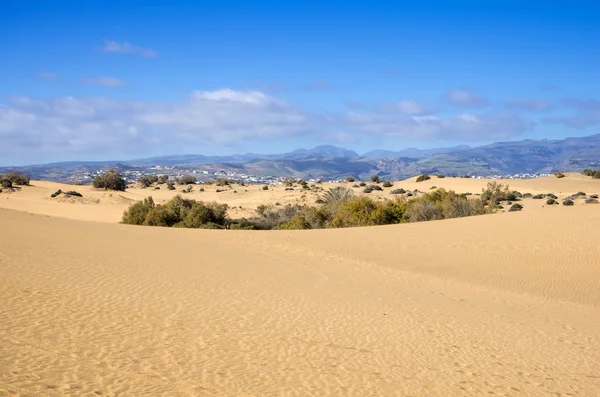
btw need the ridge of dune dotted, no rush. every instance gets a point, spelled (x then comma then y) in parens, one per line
(489, 305)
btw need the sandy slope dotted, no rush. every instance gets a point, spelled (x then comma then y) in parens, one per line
(505, 305)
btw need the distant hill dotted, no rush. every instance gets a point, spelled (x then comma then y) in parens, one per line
(412, 152)
(321, 151)
(332, 162)
(532, 156)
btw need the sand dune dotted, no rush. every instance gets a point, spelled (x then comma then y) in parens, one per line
(505, 305)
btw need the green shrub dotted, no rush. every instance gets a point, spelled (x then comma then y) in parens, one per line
(559, 175)
(375, 178)
(423, 177)
(355, 212)
(376, 187)
(137, 212)
(538, 197)
(350, 179)
(7, 183)
(398, 191)
(266, 187)
(56, 193)
(178, 212)
(160, 216)
(203, 214)
(368, 189)
(551, 201)
(362, 184)
(568, 202)
(162, 179)
(171, 185)
(111, 180)
(297, 222)
(580, 194)
(73, 193)
(440, 176)
(552, 196)
(387, 184)
(591, 201)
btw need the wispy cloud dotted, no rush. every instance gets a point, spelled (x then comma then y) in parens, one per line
(72, 125)
(527, 104)
(127, 48)
(92, 125)
(104, 81)
(410, 107)
(465, 99)
(472, 127)
(587, 113)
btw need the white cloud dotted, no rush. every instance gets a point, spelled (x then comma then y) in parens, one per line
(467, 99)
(105, 81)
(229, 95)
(127, 48)
(480, 127)
(528, 104)
(410, 107)
(99, 125)
(82, 126)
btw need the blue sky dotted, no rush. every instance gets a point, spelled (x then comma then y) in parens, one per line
(125, 79)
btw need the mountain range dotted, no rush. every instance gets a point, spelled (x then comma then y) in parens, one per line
(331, 162)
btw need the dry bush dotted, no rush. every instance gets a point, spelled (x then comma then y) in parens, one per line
(187, 179)
(593, 173)
(111, 180)
(423, 177)
(443, 204)
(15, 178)
(515, 207)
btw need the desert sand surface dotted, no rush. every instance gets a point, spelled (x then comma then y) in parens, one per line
(502, 305)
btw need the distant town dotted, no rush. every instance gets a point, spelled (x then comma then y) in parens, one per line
(202, 176)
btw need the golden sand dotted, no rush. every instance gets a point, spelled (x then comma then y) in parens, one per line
(502, 305)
